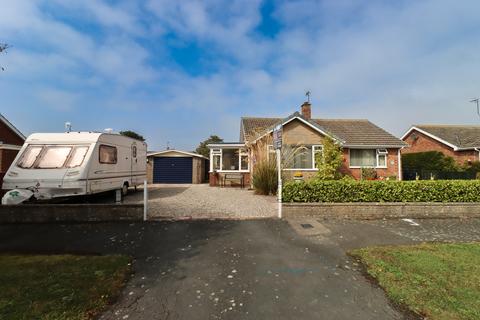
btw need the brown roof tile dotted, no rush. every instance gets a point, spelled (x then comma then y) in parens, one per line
(462, 136)
(352, 132)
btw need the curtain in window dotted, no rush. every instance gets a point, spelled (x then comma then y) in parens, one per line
(363, 157)
(298, 157)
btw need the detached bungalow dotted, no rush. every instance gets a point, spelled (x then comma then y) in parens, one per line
(365, 145)
(460, 142)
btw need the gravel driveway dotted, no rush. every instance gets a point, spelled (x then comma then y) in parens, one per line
(202, 201)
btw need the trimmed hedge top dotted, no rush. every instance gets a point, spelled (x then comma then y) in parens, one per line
(383, 191)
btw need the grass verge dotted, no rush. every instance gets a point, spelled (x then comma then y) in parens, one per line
(439, 281)
(59, 286)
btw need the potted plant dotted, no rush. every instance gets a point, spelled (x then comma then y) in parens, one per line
(298, 176)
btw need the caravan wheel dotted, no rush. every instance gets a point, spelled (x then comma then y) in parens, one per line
(125, 189)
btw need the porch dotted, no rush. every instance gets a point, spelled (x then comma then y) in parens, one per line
(229, 165)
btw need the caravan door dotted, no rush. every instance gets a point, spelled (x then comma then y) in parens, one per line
(134, 164)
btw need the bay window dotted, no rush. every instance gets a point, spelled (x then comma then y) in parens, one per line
(301, 157)
(370, 158)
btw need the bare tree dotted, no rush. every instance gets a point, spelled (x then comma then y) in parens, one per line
(3, 48)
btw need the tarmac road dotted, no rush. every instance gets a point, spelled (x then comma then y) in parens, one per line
(258, 269)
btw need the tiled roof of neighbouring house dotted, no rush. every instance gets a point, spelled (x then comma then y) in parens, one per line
(352, 132)
(461, 136)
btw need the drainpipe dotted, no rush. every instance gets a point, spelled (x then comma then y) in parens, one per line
(478, 150)
(400, 178)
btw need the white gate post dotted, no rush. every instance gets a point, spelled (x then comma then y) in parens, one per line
(279, 191)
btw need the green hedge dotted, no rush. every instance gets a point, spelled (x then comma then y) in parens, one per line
(383, 191)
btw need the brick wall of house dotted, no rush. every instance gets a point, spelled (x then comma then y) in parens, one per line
(7, 136)
(216, 178)
(6, 159)
(420, 142)
(390, 171)
(297, 133)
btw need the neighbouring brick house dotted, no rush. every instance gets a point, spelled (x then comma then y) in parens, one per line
(11, 140)
(460, 142)
(364, 145)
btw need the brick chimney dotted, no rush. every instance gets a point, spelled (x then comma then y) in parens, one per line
(307, 110)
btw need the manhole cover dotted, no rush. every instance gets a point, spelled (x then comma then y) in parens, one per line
(306, 225)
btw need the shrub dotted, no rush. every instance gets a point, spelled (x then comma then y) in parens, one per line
(472, 167)
(383, 191)
(369, 174)
(429, 161)
(329, 161)
(264, 178)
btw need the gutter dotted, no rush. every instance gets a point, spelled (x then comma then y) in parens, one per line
(399, 162)
(353, 146)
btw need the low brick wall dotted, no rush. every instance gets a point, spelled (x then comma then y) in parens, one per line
(371, 211)
(40, 213)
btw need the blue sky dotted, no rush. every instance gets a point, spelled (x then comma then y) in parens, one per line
(179, 71)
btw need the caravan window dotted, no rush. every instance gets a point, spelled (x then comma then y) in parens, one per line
(53, 157)
(77, 157)
(107, 154)
(29, 156)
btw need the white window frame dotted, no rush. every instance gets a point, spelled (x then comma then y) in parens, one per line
(314, 168)
(271, 151)
(378, 153)
(382, 153)
(219, 152)
(213, 153)
(314, 151)
(243, 152)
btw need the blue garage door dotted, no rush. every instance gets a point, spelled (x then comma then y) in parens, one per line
(172, 170)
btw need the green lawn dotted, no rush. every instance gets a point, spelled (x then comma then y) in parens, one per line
(440, 281)
(59, 286)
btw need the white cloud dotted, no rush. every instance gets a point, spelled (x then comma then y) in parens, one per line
(58, 100)
(396, 63)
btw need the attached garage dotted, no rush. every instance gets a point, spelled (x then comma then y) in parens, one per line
(175, 166)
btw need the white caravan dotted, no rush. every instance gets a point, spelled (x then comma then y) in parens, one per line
(53, 165)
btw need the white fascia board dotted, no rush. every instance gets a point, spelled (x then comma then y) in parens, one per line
(226, 145)
(454, 147)
(376, 146)
(178, 151)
